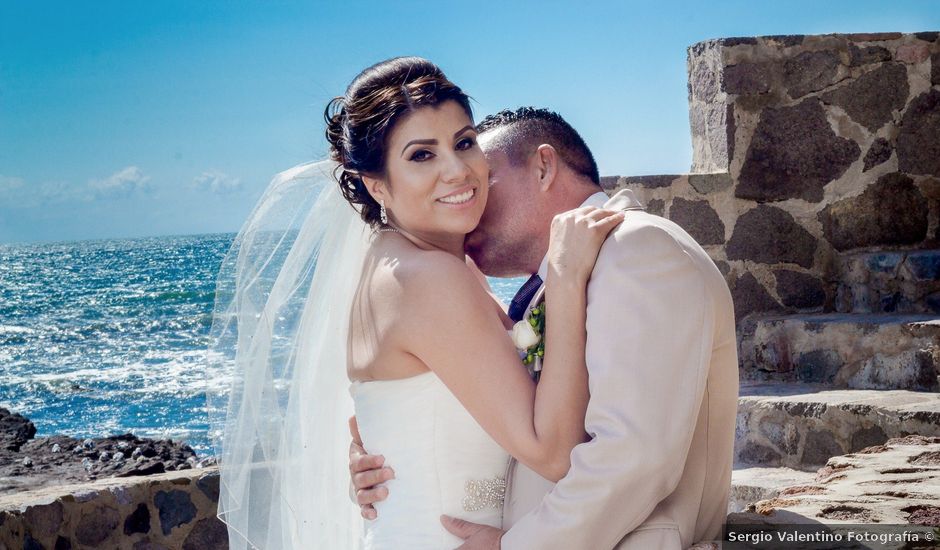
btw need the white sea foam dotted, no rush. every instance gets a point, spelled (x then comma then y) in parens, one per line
(14, 329)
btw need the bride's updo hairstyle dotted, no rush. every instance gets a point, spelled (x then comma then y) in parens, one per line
(359, 122)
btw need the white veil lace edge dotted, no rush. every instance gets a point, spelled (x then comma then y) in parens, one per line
(278, 391)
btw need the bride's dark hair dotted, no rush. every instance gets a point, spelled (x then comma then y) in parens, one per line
(359, 122)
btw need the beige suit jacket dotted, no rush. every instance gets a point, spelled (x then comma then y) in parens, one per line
(663, 376)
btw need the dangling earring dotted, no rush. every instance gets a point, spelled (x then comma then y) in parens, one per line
(382, 213)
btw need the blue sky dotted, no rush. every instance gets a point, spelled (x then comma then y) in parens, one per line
(122, 119)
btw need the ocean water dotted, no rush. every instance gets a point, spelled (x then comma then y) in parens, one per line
(108, 336)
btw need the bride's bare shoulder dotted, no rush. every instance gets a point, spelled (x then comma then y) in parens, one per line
(424, 273)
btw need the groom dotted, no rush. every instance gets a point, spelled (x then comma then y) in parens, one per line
(661, 358)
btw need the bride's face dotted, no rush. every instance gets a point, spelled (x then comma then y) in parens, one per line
(436, 176)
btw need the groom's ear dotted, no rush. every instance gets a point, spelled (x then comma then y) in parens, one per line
(546, 164)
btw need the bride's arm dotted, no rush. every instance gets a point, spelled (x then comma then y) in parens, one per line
(448, 323)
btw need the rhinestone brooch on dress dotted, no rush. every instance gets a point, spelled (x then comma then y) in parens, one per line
(484, 493)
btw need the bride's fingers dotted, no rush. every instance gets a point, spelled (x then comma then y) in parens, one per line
(371, 478)
(354, 430)
(610, 220)
(364, 462)
(371, 496)
(603, 215)
(367, 511)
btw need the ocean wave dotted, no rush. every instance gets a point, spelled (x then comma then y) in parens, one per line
(110, 336)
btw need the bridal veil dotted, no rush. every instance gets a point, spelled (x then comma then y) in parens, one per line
(278, 391)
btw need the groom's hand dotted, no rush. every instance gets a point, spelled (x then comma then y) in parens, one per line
(475, 536)
(366, 472)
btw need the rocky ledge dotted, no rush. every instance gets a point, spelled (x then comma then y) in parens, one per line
(896, 483)
(30, 462)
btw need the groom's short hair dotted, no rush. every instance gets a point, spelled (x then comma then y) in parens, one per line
(529, 127)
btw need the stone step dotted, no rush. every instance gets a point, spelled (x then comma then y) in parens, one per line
(861, 351)
(897, 483)
(749, 485)
(889, 282)
(801, 426)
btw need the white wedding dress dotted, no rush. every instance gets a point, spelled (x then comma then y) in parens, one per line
(443, 460)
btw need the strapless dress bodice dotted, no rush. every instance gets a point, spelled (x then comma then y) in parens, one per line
(443, 460)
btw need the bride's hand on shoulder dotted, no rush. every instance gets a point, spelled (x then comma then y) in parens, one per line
(575, 240)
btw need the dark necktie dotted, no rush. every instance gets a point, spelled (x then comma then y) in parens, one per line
(522, 298)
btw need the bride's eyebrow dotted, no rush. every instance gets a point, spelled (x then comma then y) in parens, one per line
(462, 130)
(433, 141)
(417, 142)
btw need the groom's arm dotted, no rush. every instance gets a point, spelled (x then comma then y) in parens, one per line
(649, 324)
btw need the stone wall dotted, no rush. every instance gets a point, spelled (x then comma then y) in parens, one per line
(160, 512)
(816, 171)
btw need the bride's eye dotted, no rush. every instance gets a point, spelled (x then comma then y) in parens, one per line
(421, 155)
(465, 143)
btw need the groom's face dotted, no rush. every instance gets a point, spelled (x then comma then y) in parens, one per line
(499, 244)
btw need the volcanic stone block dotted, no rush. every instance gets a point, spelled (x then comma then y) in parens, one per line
(912, 53)
(609, 182)
(786, 39)
(818, 365)
(867, 351)
(710, 183)
(819, 447)
(746, 78)
(699, 219)
(649, 182)
(879, 152)
(96, 525)
(919, 140)
(799, 290)
(175, 509)
(935, 68)
(873, 36)
(704, 82)
(869, 54)
(44, 519)
(809, 72)
(803, 425)
(891, 211)
(769, 235)
(867, 437)
(749, 296)
(209, 485)
(656, 207)
(753, 453)
(871, 98)
(924, 266)
(793, 154)
(889, 280)
(207, 533)
(138, 521)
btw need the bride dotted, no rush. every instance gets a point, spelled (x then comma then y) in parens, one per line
(384, 288)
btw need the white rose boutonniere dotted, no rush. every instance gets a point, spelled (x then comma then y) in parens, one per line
(527, 337)
(524, 336)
